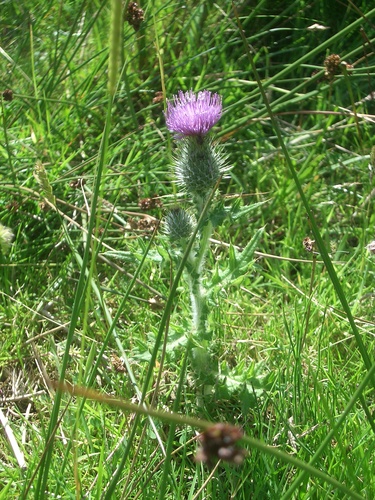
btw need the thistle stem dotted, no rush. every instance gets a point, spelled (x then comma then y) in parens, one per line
(203, 246)
(198, 305)
(197, 294)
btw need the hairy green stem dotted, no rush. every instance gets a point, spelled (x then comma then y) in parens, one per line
(198, 304)
(195, 267)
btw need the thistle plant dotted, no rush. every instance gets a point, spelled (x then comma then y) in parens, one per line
(199, 163)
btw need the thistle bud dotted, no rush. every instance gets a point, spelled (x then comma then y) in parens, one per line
(178, 225)
(198, 165)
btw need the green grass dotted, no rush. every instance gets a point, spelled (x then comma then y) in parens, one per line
(89, 290)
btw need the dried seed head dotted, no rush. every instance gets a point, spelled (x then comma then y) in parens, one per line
(8, 95)
(6, 237)
(332, 66)
(150, 203)
(134, 15)
(309, 244)
(219, 443)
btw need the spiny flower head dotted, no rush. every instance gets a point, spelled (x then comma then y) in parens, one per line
(193, 114)
(198, 165)
(178, 224)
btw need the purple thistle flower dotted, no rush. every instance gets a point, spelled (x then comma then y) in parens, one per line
(193, 114)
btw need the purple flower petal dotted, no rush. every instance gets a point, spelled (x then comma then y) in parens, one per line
(193, 114)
